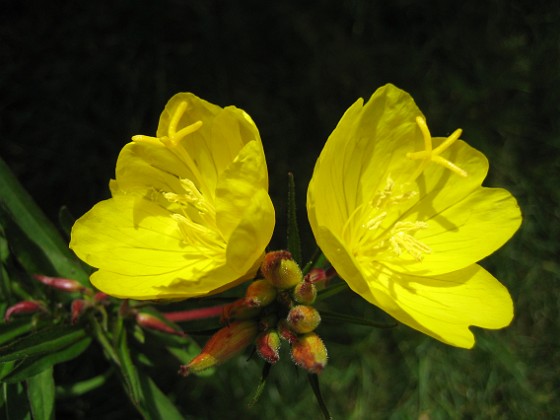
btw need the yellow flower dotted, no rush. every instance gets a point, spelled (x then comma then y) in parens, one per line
(190, 213)
(403, 219)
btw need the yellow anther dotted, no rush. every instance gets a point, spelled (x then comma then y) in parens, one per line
(434, 155)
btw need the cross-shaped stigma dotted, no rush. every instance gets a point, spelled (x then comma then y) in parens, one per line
(434, 155)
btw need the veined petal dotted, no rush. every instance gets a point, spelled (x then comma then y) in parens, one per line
(370, 142)
(463, 233)
(455, 211)
(441, 306)
(137, 240)
(239, 189)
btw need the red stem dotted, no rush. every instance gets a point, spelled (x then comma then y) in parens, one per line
(192, 314)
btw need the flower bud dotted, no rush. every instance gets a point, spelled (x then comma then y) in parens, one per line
(261, 292)
(303, 319)
(305, 293)
(241, 309)
(24, 307)
(268, 346)
(286, 332)
(281, 270)
(222, 346)
(60, 283)
(309, 352)
(149, 321)
(315, 275)
(78, 307)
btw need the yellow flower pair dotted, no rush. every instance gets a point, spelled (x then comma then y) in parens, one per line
(401, 216)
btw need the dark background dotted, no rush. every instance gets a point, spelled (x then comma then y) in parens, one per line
(78, 79)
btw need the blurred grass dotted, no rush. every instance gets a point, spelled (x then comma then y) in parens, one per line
(79, 78)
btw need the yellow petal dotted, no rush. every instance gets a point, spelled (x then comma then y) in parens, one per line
(241, 187)
(463, 233)
(138, 239)
(369, 143)
(441, 306)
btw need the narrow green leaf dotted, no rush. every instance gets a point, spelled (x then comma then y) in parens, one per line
(35, 365)
(43, 341)
(155, 402)
(66, 220)
(83, 387)
(294, 242)
(17, 205)
(14, 329)
(6, 368)
(102, 338)
(333, 316)
(128, 371)
(314, 382)
(40, 393)
(261, 385)
(15, 402)
(331, 290)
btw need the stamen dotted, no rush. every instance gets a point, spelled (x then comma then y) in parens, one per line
(402, 239)
(433, 155)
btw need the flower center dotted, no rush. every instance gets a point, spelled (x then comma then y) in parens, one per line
(375, 232)
(194, 213)
(434, 155)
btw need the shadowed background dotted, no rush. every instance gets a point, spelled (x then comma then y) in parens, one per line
(78, 79)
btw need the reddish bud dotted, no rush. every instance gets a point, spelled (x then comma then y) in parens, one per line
(286, 332)
(60, 283)
(261, 292)
(146, 320)
(24, 307)
(222, 346)
(303, 319)
(316, 275)
(309, 352)
(241, 309)
(100, 297)
(268, 346)
(305, 293)
(281, 270)
(78, 307)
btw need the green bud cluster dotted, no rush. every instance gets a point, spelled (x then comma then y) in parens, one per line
(281, 302)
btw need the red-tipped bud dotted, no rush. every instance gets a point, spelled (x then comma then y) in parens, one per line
(303, 319)
(268, 346)
(316, 275)
(309, 352)
(261, 292)
(305, 293)
(60, 283)
(222, 346)
(78, 307)
(286, 332)
(281, 270)
(241, 309)
(24, 307)
(146, 320)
